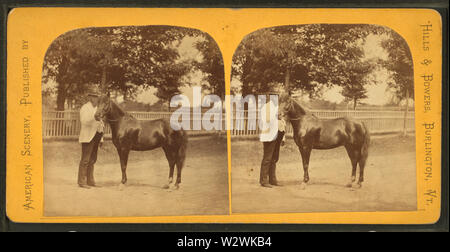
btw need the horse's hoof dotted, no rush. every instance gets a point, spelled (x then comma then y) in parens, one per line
(357, 186)
(175, 187)
(349, 185)
(165, 186)
(121, 187)
(303, 186)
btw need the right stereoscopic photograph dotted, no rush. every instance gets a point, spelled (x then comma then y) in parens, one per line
(325, 122)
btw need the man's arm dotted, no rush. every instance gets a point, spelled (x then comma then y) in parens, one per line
(265, 111)
(86, 116)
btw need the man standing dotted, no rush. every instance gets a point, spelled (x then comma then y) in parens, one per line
(272, 137)
(90, 136)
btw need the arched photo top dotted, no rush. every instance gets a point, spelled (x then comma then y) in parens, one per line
(311, 59)
(143, 65)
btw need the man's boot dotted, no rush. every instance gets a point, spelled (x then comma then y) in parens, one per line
(273, 175)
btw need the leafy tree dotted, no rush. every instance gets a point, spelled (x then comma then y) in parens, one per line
(170, 82)
(269, 57)
(212, 66)
(115, 58)
(401, 68)
(357, 79)
(68, 62)
(354, 92)
(301, 57)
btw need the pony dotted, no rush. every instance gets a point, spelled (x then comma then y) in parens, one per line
(311, 133)
(130, 134)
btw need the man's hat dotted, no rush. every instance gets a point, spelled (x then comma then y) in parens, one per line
(93, 91)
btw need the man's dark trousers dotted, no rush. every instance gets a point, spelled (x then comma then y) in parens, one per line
(88, 159)
(270, 159)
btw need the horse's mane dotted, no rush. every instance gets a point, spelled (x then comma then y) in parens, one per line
(121, 112)
(300, 109)
(297, 107)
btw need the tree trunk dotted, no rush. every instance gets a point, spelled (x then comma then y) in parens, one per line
(61, 97)
(62, 84)
(355, 101)
(287, 80)
(405, 117)
(103, 83)
(69, 103)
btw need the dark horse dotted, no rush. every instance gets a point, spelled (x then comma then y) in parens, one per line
(311, 132)
(128, 134)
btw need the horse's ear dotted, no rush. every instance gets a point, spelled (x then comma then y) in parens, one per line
(290, 92)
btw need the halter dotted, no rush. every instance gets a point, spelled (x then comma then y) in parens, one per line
(295, 119)
(109, 110)
(290, 107)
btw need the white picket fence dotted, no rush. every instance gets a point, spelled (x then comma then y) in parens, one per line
(66, 124)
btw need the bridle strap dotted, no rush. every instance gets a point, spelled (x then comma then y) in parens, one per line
(111, 120)
(291, 105)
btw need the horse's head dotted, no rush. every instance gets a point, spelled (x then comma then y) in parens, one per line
(103, 107)
(289, 109)
(284, 105)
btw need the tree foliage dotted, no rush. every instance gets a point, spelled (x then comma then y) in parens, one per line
(301, 57)
(211, 65)
(401, 68)
(400, 65)
(357, 78)
(115, 58)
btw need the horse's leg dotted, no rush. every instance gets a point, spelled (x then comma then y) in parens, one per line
(352, 155)
(171, 159)
(179, 163)
(180, 157)
(123, 154)
(364, 154)
(362, 165)
(306, 153)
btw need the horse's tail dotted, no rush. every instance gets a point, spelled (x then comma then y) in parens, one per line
(366, 143)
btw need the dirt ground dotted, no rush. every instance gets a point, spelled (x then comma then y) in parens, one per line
(390, 179)
(204, 187)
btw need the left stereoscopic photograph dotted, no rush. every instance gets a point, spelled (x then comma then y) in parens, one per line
(110, 99)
